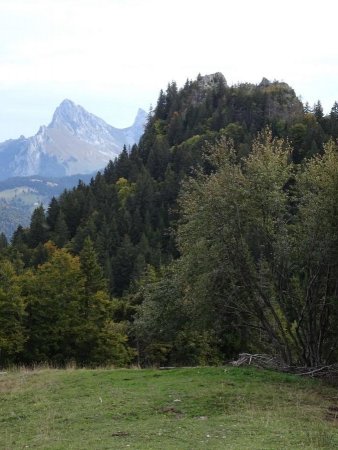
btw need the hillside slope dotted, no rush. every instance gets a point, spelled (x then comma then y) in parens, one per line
(218, 408)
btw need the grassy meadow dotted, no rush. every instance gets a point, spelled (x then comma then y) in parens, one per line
(190, 408)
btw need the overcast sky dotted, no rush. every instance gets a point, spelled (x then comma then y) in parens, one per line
(113, 56)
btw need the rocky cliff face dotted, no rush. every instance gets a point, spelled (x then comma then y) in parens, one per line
(74, 142)
(281, 101)
(210, 81)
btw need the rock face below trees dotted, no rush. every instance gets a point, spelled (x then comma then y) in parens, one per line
(282, 103)
(210, 81)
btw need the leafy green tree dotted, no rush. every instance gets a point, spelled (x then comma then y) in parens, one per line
(165, 328)
(70, 316)
(315, 257)
(245, 243)
(297, 134)
(124, 190)
(53, 294)
(12, 308)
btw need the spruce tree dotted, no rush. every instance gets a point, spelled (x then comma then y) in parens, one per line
(38, 228)
(3, 241)
(91, 270)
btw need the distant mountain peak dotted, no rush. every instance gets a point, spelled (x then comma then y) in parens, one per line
(75, 141)
(67, 103)
(68, 113)
(66, 106)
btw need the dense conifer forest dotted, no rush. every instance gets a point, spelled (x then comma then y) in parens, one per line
(217, 233)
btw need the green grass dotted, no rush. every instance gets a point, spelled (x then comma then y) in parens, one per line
(194, 408)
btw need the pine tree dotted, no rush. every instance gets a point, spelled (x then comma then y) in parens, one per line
(53, 212)
(90, 268)
(334, 111)
(334, 120)
(61, 233)
(38, 228)
(318, 111)
(122, 165)
(160, 110)
(3, 241)
(123, 265)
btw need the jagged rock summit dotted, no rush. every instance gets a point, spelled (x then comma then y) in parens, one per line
(209, 81)
(75, 141)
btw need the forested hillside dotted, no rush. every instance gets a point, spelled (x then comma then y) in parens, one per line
(216, 234)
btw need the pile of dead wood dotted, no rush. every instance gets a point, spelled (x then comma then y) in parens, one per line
(274, 363)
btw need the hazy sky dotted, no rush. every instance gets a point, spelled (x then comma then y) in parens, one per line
(113, 56)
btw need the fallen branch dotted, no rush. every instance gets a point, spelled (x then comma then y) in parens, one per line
(314, 371)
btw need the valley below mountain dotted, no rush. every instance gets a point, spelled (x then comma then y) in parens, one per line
(19, 196)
